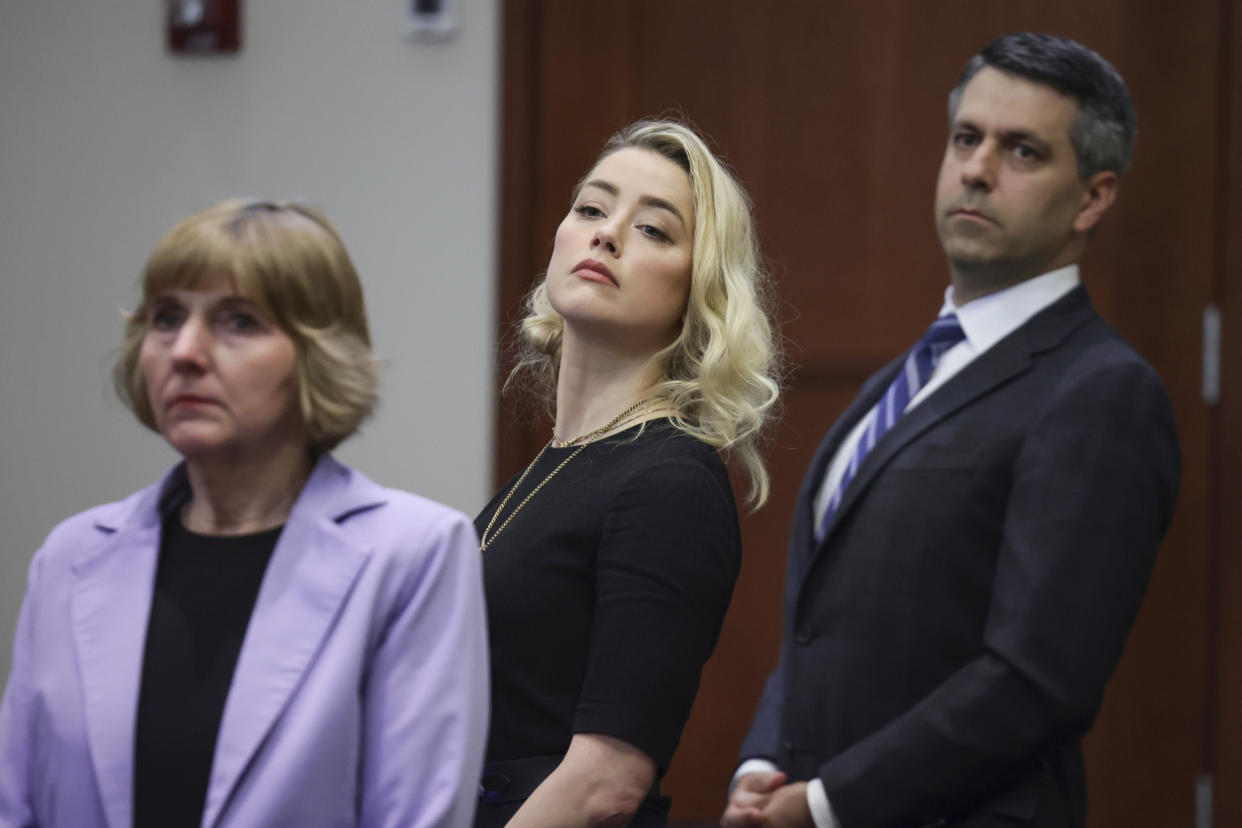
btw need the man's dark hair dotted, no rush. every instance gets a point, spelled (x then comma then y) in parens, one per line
(1104, 130)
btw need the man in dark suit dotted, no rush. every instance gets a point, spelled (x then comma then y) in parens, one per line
(975, 534)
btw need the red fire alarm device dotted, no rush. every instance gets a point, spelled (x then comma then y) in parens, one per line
(204, 27)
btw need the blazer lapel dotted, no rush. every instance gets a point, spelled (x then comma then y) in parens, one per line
(111, 603)
(1003, 361)
(313, 568)
(871, 391)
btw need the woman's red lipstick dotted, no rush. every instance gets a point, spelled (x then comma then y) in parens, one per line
(592, 266)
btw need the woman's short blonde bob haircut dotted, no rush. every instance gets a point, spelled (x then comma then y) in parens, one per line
(723, 370)
(290, 261)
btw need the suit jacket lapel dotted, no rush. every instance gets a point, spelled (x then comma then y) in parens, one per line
(313, 568)
(992, 369)
(111, 603)
(871, 391)
(1003, 361)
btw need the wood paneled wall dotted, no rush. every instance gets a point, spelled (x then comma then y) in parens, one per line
(833, 115)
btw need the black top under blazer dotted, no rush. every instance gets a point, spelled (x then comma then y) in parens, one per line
(947, 644)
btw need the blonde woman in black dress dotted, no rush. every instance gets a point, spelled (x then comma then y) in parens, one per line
(610, 561)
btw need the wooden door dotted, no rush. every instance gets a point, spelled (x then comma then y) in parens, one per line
(1223, 754)
(833, 115)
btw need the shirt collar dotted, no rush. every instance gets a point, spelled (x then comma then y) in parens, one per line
(989, 319)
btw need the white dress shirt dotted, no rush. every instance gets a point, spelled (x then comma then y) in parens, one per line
(985, 321)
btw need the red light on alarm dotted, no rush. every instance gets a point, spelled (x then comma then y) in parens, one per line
(204, 27)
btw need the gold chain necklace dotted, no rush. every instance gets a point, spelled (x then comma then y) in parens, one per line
(591, 435)
(484, 541)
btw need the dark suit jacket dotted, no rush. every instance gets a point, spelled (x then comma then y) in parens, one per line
(947, 644)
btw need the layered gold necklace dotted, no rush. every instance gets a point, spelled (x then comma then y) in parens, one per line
(582, 441)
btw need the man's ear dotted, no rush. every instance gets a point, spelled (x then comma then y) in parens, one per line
(1099, 193)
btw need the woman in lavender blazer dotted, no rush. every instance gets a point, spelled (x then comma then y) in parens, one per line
(265, 637)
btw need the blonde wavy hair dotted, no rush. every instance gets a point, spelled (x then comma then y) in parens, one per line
(291, 262)
(722, 373)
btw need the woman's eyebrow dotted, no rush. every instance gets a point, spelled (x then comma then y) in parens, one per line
(647, 200)
(653, 201)
(606, 186)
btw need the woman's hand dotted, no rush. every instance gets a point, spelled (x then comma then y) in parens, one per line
(601, 782)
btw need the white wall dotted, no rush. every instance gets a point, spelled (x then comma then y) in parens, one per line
(106, 140)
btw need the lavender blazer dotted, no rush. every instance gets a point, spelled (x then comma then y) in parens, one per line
(360, 696)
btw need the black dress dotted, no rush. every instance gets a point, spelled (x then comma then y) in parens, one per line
(605, 596)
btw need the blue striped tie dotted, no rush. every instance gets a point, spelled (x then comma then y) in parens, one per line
(944, 333)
